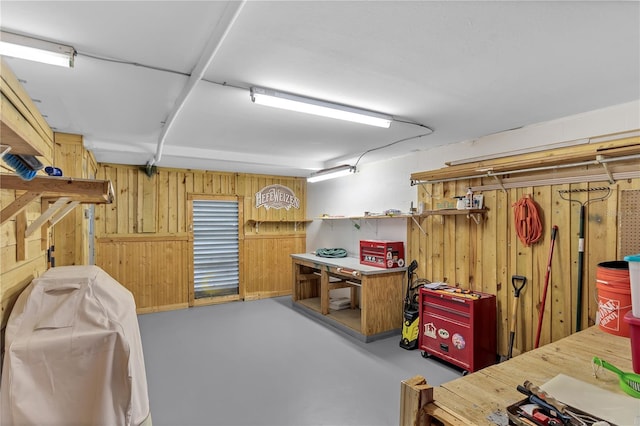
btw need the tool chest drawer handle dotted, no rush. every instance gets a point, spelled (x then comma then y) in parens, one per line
(445, 309)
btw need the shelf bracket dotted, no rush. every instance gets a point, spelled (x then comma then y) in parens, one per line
(355, 224)
(18, 205)
(599, 159)
(499, 180)
(62, 213)
(475, 217)
(425, 189)
(59, 204)
(418, 225)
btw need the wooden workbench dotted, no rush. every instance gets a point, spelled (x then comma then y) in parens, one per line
(376, 294)
(469, 400)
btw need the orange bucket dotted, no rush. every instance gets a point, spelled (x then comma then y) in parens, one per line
(614, 297)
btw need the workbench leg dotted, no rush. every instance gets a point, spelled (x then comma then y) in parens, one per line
(415, 394)
(354, 297)
(324, 293)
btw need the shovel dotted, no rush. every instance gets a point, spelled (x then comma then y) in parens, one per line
(514, 309)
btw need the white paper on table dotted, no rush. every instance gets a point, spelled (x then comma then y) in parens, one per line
(621, 409)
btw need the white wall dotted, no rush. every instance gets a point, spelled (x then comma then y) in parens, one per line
(386, 185)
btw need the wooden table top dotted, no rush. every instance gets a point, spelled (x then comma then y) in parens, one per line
(471, 399)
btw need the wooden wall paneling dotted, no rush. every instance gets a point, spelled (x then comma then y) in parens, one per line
(122, 212)
(243, 262)
(111, 210)
(499, 214)
(198, 186)
(132, 196)
(518, 267)
(21, 226)
(542, 196)
(560, 289)
(152, 268)
(14, 280)
(437, 240)
(68, 234)
(147, 203)
(425, 265)
(440, 235)
(163, 201)
(181, 199)
(459, 239)
(472, 238)
(173, 202)
(596, 248)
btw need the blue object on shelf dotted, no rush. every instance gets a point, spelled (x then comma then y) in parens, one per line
(25, 166)
(53, 171)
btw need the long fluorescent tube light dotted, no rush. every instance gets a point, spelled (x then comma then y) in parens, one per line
(331, 173)
(292, 102)
(18, 46)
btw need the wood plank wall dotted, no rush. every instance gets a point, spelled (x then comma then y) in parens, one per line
(144, 237)
(485, 256)
(70, 236)
(20, 261)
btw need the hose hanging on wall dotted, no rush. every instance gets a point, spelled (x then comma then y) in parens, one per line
(527, 221)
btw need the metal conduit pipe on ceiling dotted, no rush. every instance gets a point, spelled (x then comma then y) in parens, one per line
(230, 14)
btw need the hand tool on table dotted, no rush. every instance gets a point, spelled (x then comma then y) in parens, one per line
(554, 231)
(514, 308)
(551, 410)
(629, 382)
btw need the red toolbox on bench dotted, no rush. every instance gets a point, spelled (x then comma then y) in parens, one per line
(383, 254)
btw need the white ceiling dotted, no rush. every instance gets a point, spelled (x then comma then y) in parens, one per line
(465, 69)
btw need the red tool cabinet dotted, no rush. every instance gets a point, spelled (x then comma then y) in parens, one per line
(382, 253)
(458, 328)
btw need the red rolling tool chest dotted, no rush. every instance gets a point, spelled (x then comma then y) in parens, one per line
(459, 328)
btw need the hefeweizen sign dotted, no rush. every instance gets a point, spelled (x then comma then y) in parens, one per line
(277, 197)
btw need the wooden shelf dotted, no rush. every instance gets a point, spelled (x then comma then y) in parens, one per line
(475, 214)
(65, 193)
(625, 149)
(370, 217)
(256, 222)
(21, 125)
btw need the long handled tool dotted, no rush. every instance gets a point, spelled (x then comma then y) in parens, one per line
(562, 194)
(514, 308)
(554, 231)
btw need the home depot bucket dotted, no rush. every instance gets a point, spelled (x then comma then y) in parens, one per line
(614, 296)
(634, 277)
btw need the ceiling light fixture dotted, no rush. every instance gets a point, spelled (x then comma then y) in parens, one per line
(292, 102)
(331, 173)
(18, 46)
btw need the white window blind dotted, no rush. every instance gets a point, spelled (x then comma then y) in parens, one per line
(215, 248)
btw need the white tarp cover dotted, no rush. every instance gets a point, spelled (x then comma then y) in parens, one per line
(73, 353)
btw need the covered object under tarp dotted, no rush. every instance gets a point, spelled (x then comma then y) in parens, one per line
(73, 353)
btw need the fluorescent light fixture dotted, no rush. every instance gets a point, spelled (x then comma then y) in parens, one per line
(331, 173)
(292, 102)
(18, 46)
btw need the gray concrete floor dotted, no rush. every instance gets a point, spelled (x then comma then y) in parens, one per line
(263, 363)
